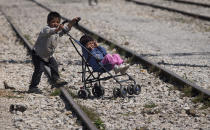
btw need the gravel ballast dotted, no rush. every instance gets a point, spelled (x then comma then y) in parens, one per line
(158, 106)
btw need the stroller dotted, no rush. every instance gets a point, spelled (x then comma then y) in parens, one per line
(92, 79)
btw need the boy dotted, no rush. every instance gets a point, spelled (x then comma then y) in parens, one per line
(44, 48)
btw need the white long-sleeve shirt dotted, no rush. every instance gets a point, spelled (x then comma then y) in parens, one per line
(47, 42)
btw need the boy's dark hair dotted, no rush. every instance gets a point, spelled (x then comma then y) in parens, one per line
(85, 39)
(53, 15)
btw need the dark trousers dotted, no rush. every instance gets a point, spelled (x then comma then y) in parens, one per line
(39, 64)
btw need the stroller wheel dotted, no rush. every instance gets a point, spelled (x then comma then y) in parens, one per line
(130, 90)
(137, 89)
(98, 91)
(116, 92)
(123, 92)
(83, 93)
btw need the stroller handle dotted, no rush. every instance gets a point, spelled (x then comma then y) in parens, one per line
(66, 21)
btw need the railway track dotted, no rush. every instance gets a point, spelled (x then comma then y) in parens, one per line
(191, 3)
(171, 9)
(128, 107)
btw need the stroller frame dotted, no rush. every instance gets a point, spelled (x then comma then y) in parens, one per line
(98, 90)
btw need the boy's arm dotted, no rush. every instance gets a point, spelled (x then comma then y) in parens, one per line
(73, 21)
(69, 26)
(47, 31)
(64, 30)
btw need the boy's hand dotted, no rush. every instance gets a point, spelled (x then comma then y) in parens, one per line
(74, 21)
(59, 27)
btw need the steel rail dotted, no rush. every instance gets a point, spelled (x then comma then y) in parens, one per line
(169, 75)
(191, 3)
(198, 16)
(85, 120)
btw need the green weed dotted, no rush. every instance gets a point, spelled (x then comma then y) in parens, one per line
(94, 117)
(150, 105)
(56, 92)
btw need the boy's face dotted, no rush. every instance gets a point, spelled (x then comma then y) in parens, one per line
(54, 22)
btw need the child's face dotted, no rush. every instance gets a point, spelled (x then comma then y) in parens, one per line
(90, 44)
(54, 22)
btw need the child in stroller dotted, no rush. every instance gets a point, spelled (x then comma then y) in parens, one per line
(100, 56)
(96, 57)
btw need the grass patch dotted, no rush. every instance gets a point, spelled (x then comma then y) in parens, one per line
(128, 113)
(207, 29)
(185, 76)
(72, 94)
(142, 128)
(202, 98)
(90, 113)
(94, 117)
(204, 107)
(5, 93)
(131, 59)
(27, 37)
(56, 92)
(111, 47)
(150, 105)
(14, 96)
(99, 124)
(9, 94)
(187, 91)
(122, 53)
(181, 20)
(172, 88)
(151, 69)
(158, 72)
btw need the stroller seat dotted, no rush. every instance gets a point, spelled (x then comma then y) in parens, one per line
(98, 67)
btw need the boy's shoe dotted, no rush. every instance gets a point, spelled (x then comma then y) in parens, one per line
(34, 90)
(60, 82)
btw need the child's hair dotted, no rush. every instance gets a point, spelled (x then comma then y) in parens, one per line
(85, 39)
(53, 15)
